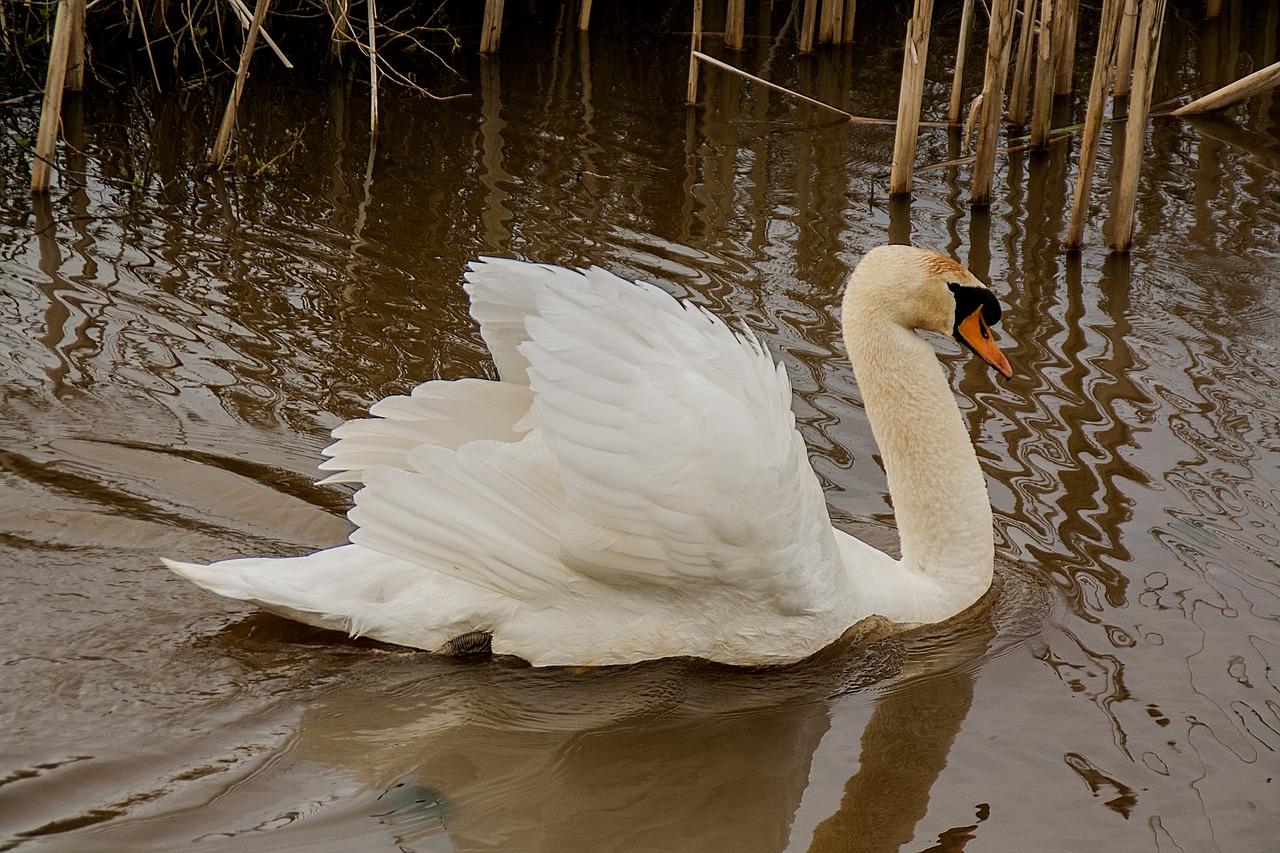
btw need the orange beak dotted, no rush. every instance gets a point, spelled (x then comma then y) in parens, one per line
(974, 332)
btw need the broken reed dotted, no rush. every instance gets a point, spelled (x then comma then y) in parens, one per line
(1048, 30)
(1129, 37)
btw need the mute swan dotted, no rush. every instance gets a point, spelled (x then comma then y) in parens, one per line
(634, 487)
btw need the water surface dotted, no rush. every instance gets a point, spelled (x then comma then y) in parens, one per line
(178, 345)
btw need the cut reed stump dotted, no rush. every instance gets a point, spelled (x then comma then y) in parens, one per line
(75, 46)
(913, 63)
(962, 47)
(695, 46)
(831, 25)
(1065, 46)
(1042, 100)
(491, 27)
(54, 82)
(1124, 49)
(1150, 25)
(222, 144)
(1108, 31)
(735, 23)
(808, 20)
(1019, 97)
(999, 44)
(1246, 87)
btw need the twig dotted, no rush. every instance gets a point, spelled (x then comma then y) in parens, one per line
(1054, 136)
(146, 39)
(724, 66)
(246, 19)
(288, 151)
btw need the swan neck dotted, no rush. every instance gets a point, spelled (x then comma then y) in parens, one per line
(939, 493)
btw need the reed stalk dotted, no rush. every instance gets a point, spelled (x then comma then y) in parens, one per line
(913, 64)
(695, 46)
(146, 40)
(1019, 97)
(735, 24)
(1103, 63)
(807, 21)
(373, 69)
(246, 17)
(75, 46)
(1246, 87)
(491, 27)
(962, 47)
(222, 144)
(724, 66)
(999, 44)
(51, 107)
(1124, 49)
(1042, 101)
(830, 26)
(584, 16)
(1065, 41)
(341, 33)
(1125, 200)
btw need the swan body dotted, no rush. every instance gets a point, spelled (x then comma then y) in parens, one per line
(634, 487)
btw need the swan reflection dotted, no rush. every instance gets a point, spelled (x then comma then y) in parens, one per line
(671, 755)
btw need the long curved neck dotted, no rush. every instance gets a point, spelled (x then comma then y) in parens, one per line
(939, 493)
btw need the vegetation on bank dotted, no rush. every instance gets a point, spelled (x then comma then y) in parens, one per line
(180, 40)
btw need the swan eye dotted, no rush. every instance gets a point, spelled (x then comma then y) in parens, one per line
(970, 298)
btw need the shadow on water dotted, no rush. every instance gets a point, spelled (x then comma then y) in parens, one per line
(179, 344)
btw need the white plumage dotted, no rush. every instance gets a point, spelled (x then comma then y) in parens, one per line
(634, 486)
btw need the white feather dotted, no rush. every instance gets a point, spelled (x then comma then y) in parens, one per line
(634, 486)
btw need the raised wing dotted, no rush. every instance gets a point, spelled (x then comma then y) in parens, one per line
(673, 435)
(487, 514)
(440, 413)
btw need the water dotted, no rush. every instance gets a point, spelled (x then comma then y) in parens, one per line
(180, 343)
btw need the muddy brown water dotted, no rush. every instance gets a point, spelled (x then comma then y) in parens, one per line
(177, 345)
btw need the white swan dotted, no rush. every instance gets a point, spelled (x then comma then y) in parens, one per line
(634, 486)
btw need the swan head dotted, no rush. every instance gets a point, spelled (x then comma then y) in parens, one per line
(920, 289)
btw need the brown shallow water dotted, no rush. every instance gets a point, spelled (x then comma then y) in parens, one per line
(176, 347)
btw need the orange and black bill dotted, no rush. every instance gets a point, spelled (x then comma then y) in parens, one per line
(974, 333)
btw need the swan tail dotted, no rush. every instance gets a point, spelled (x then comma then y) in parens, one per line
(358, 592)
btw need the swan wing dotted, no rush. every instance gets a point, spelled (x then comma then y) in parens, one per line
(439, 413)
(675, 445)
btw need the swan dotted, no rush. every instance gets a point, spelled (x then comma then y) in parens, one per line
(633, 486)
